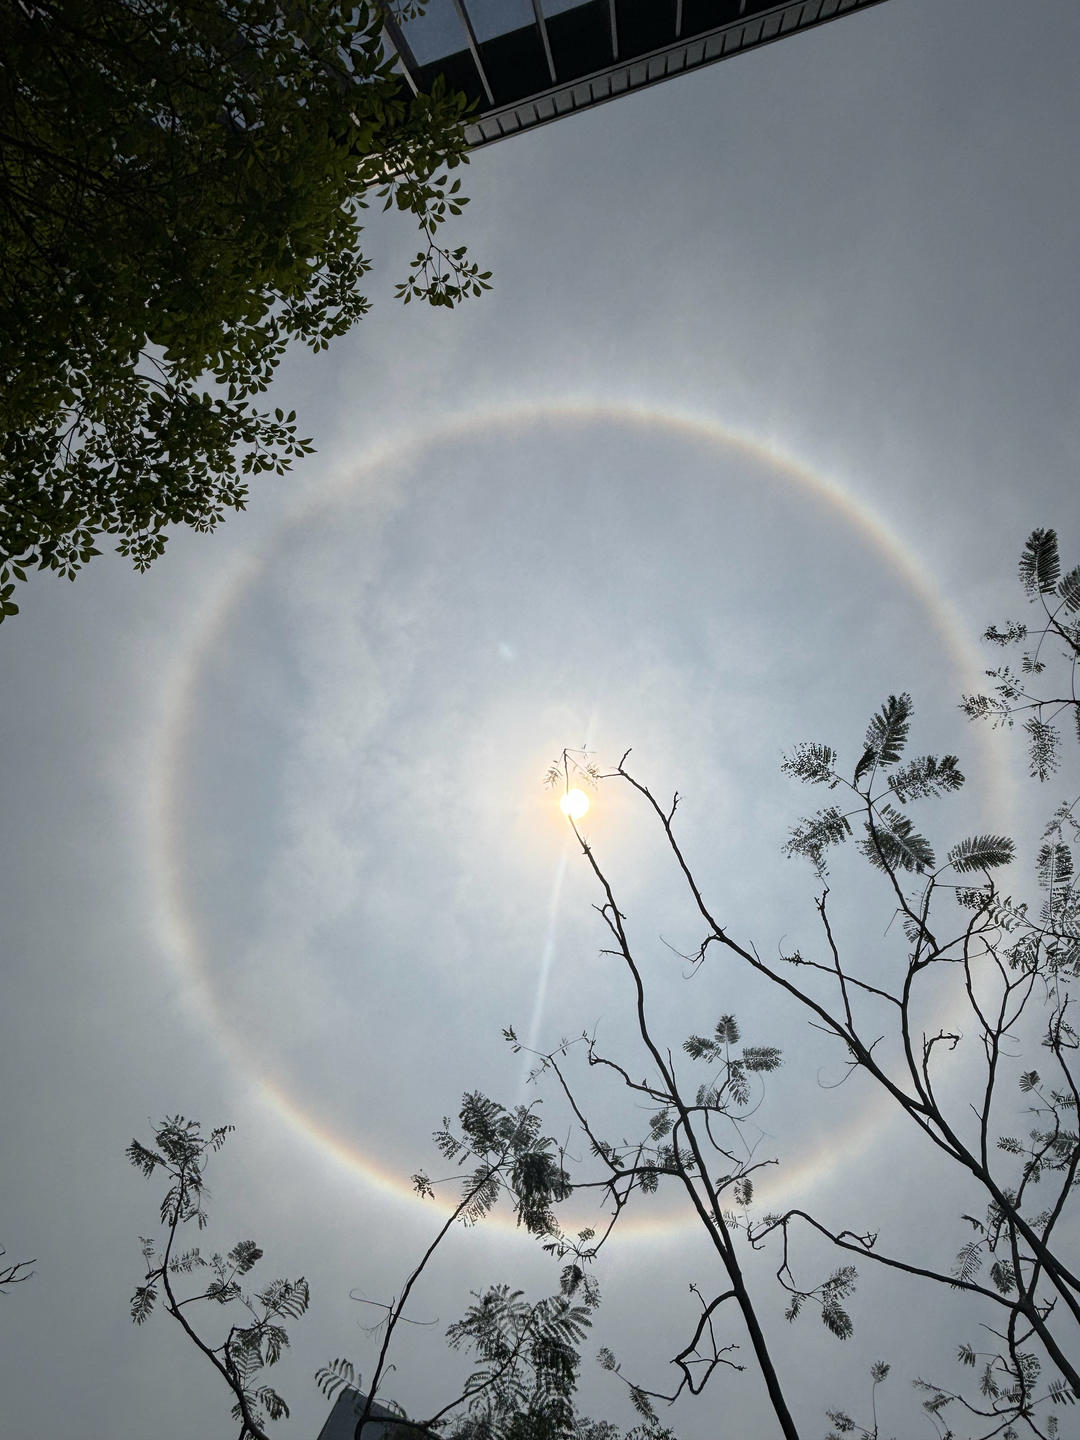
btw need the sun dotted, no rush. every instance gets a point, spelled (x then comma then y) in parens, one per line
(574, 803)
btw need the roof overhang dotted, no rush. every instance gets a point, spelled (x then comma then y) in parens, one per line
(568, 58)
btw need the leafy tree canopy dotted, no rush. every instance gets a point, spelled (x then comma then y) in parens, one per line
(179, 197)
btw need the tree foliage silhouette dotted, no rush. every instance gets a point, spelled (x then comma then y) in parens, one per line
(525, 1355)
(1056, 636)
(181, 1153)
(1007, 968)
(1013, 964)
(180, 191)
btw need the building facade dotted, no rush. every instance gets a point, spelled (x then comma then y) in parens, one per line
(349, 1405)
(527, 62)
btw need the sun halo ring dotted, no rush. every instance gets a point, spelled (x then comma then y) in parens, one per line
(177, 920)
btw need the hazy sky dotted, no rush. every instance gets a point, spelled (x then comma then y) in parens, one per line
(778, 370)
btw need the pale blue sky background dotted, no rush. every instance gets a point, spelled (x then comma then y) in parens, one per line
(275, 850)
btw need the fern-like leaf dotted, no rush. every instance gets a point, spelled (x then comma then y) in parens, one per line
(698, 1048)
(1042, 747)
(188, 1261)
(987, 707)
(1039, 563)
(727, 1030)
(895, 844)
(839, 1285)
(1014, 632)
(811, 836)
(1054, 865)
(142, 1158)
(926, 776)
(641, 1403)
(245, 1254)
(1001, 1273)
(886, 735)
(761, 1057)
(968, 1261)
(1060, 1394)
(480, 1192)
(286, 1297)
(988, 1385)
(142, 1303)
(980, 852)
(331, 1378)
(272, 1403)
(812, 762)
(660, 1124)
(837, 1320)
(479, 1119)
(275, 1340)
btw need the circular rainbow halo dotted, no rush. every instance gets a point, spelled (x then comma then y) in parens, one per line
(574, 803)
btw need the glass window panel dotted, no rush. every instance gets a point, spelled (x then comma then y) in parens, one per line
(556, 7)
(498, 17)
(436, 33)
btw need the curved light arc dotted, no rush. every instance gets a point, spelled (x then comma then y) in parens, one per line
(179, 698)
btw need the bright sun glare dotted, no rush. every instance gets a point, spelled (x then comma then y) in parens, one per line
(574, 803)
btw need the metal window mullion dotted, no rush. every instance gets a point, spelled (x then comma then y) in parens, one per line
(474, 48)
(614, 30)
(678, 19)
(541, 25)
(403, 50)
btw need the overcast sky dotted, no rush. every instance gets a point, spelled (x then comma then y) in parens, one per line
(778, 370)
